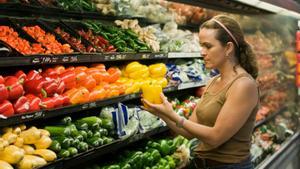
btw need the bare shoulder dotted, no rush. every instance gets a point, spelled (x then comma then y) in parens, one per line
(244, 86)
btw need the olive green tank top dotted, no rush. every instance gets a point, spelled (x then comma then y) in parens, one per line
(237, 148)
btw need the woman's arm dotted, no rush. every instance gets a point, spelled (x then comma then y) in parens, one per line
(242, 97)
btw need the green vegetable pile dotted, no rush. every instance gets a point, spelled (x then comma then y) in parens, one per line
(70, 138)
(125, 40)
(77, 5)
(155, 155)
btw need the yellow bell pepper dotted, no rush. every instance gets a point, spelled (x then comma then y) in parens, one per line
(162, 81)
(133, 67)
(151, 93)
(142, 72)
(136, 86)
(158, 70)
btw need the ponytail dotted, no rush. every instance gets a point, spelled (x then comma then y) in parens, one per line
(247, 60)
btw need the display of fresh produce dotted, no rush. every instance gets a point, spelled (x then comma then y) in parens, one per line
(105, 7)
(25, 148)
(11, 37)
(77, 5)
(75, 42)
(145, 34)
(48, 40)
(163, 153)
(123, 40)
(71, 137)
(186, 107)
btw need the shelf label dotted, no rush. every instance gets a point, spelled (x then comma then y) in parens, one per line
(85, 106)
(121, 56)
(35, 115)
(54, 59)
(159, 55)
(146, 56)
(92, 105)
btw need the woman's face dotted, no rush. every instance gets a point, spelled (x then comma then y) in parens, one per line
(211, 49)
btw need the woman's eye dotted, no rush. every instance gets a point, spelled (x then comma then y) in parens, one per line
(207, 46)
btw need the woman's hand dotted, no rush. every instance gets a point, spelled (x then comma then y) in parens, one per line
(164, 109)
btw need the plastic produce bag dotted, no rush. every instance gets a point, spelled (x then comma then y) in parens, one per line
(147, 120)
(128, 120)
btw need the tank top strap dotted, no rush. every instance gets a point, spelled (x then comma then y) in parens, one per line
(236, 78)
(212, 82)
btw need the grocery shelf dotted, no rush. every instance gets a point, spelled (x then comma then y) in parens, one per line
(46, 114)
(102, 150)
(270, 117)
(278, 159)
(172, 55)
(226, 6)
(90, 58)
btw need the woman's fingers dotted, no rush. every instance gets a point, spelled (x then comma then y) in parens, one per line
(163, 97)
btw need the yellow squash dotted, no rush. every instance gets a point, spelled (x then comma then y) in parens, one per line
(43, 143)
(19, 142)
(30, 162)
(46, 154)
(12, 154)
(5, 165)
(31, 135)
(28, 149)
(44, 132)
(10, 137)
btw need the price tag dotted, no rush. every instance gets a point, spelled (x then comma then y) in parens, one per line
(85, 106)
(35, 115)
(74, 59)
(92, 105)
(145, 56)
(120, 57)
(159, 55)
(106, 57)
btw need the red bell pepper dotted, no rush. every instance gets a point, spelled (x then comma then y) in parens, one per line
(3, 93)
(2, 81)
(66, 100)
(33, 75)
(61, 86)
(47, 103)
(59, 69)
(6, 108)
(36, 87)
(50, 72)
(58, 100)
(15, 89)
(50, 86)
(21, 105)
(34, 102)
(21, 76)
(69, 78)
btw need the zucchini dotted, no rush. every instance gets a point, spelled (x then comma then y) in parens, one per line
(82, 147)
(55, 146)
(103, 132)
(107, 140)
(93, 122)
(64, 153)
(83, 133)
(66, 121)
(58, 130)
(89, 133)
(97, 134)
(107, 124)
(73, 151)
(82, 126)
(94, 141)
(65, 142)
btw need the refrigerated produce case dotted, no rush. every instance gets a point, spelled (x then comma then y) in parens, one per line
(87, 32)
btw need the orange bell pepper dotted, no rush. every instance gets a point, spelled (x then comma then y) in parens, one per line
(60, 69)
(80, 77)
(82, 68)
(114, 74)
(89, 83)
(97, 93)
(99, 66)
(95, 73)
(78, 96)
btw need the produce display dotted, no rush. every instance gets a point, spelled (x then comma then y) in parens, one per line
(156, 154)
(75, 42)
(268, 138)
(77, 5)
(186, 107)
(25, 148)
(11, 37)
(48, 40)
(71, 137)
(59, 86)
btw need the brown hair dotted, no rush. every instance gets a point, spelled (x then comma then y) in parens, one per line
(243, 50)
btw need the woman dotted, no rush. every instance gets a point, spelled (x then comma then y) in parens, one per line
(224, 118)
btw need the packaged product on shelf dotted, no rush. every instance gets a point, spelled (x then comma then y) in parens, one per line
(128, 120)
(147, 120)
(187, 71)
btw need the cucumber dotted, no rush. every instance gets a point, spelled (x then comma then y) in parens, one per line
(82, 126)
(64, 153)
(75, 142)
(107, 124)
(97, 134)
(55, 146)
(92, 121)
(58, 130)
(103, 132)
(94, 141)
(83, 133)
(74, 131)
(66, 121)
(89, 133)
(65, 142)
(79, 137)
(82, 147)
(73, 151)
(107, 140)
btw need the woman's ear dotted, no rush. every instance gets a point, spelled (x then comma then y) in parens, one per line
(229, 49)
